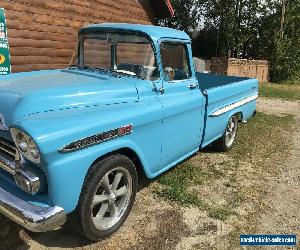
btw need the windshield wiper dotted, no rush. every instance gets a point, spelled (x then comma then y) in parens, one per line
(112, 72)
(126, 74)
(84, 67)
(74, 66)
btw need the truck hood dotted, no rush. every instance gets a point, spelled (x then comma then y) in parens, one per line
(52, 90)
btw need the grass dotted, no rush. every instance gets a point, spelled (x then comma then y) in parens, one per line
(258, 141)
(175, 187)
(261, 136)
(283, 91)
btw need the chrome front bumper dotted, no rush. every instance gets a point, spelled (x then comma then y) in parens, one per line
(34, 218)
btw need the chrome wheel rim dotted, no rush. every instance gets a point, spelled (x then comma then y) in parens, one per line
(111, 198)
(230, 132)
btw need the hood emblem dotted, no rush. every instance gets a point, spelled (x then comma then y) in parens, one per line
(2, 123)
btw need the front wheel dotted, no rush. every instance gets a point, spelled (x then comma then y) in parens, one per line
(225, 143)
(107, 197)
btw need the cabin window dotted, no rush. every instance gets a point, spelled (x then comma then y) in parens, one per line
(174, 56)
(138, 58)
(97, 53)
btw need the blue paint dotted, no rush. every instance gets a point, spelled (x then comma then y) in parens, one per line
(57, 107)
(155, 32)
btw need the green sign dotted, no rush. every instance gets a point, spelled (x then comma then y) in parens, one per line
(5, 67)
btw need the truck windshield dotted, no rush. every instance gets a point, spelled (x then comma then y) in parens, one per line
(122, 53)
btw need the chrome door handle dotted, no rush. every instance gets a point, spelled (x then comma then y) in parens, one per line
(193, 86)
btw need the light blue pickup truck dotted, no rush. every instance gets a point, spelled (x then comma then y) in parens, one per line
(74, 141)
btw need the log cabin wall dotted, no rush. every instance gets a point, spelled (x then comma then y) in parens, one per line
(43, 34)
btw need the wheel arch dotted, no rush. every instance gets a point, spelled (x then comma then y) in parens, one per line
(239, 115)
(131, 154)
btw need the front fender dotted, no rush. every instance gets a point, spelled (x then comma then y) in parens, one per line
(66, 172)
(66, 175)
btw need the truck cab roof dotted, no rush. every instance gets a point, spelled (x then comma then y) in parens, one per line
(155, 32)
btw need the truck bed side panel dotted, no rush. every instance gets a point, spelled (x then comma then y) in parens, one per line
(226, 100)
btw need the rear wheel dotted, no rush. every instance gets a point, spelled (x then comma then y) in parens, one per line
(106, 198)
(226, 142)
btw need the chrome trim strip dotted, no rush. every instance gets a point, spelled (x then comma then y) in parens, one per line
(233, 105)
(34, 218)
(97, 139)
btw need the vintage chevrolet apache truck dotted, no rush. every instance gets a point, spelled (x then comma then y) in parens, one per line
(74, 141)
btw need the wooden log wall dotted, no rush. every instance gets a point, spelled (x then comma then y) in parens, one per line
(141, 54)
(43, 34)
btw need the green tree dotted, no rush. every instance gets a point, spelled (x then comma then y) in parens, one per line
(285, 59)
(283, 52)
(186, 17)
(244, 29)
(205, 43)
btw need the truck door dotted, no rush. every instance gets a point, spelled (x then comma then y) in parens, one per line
(182, 101)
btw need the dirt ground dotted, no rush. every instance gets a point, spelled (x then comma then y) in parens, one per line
(284, 199)
(269, 206)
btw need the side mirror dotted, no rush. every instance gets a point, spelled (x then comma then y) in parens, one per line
(169, 74)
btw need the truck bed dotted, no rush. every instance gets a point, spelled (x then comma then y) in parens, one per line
(209, 81)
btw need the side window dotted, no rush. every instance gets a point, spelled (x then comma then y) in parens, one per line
(175, 58)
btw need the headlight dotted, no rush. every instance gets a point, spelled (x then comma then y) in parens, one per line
(26, 145)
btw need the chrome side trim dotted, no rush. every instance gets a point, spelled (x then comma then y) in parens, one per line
(234, 105)
(34, 218)
(97, 139)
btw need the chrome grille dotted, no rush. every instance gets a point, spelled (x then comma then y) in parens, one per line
(8, 149)
(8, 155)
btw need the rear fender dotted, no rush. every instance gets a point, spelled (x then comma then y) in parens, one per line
(216, 125)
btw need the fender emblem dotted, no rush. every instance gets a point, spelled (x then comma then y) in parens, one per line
(97, 139)
(2, 123)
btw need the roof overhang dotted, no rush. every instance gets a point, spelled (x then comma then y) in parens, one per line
(162, 8)
(153, 32)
